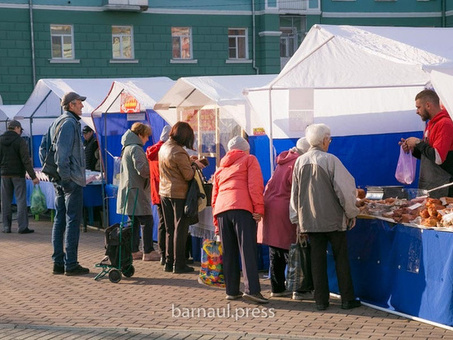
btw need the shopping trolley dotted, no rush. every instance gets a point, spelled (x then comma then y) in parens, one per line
(118, 245)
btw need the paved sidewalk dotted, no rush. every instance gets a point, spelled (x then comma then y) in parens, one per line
(34, 304)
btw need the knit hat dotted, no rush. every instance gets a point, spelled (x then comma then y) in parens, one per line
(165, 133)
(238, 143)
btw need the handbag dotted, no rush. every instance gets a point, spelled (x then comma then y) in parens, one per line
(38, 204)
(406, 167)
(299, 277)
(207, 187)
(211, 271)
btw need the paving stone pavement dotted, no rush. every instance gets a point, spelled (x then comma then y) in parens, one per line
(34, 304)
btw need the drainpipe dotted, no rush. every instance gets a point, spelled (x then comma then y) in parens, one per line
(32, 38)
(443, 10)
(257, 70)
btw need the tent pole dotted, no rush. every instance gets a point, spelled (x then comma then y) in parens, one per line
(271, 140)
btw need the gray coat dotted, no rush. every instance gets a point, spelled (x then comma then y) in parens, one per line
(323, 193)
(134, 174)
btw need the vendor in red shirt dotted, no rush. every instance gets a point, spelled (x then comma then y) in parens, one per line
(435, 150)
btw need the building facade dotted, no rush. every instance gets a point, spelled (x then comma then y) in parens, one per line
(147, 38)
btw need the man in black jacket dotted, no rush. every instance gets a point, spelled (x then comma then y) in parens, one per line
(91, 145)
(14, 161)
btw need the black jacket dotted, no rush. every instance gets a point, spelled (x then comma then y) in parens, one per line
(91, 146)
(14, 156)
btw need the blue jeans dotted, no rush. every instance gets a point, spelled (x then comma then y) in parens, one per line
(66, 226)
(14, 186)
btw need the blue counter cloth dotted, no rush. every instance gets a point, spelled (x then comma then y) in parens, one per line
(402, 268)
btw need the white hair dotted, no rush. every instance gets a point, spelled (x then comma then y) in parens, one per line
(315, 134)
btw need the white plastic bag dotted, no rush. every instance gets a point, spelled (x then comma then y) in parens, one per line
(405, 170)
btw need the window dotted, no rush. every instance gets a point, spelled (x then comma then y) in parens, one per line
(237, 43)
(181, 42)
(122, 42)
(62, 41)
(288, 42)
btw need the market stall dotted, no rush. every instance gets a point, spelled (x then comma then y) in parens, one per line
(362, 82)
(127, 102)
(216, 109)
(400, 253)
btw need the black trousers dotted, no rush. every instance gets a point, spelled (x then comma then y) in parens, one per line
(278, 259)
(161, 232)
(238, 236)
(177, 229)
(339, 245)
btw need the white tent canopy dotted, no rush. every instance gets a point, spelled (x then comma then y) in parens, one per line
(145, 90)
(223, 92)
(358, 80)
(7, 113)
(44, 102)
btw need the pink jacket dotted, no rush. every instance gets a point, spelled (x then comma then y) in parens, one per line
(238, 184)
(276, 229)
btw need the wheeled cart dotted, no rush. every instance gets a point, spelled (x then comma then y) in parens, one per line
(118, 244)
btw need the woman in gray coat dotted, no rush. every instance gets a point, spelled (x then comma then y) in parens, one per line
(134, 174)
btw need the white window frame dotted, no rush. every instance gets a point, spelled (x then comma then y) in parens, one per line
(120, 37)
(182, 38)
(290, 37)
(62, 37)
(237, 45)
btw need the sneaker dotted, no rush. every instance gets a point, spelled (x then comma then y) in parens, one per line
(6, 231)
(78, 270)
(351, 304)
(153, 256)
(26, 231)
(255, 298)
(303, 296)
(181, 270)
(58, 269)
(281, 294)
(234, 297)
(105, 261)
(138, 255)
(162, 261)
(168, 267)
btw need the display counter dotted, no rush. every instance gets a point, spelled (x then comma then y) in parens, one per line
(92, 193)
(400, 267)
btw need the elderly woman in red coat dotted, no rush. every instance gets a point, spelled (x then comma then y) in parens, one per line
(237, 203)
(276, 230)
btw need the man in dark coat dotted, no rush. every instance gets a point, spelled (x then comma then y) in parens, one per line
(91, 145)
(14, 161)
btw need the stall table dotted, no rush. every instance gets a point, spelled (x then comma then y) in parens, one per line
(92, 195)
(401, 267)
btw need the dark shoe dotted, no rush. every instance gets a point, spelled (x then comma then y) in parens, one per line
(6, 231)
(189, 261)
(168, 267)
(162, 261)
(322, 306)
(234, 297)
(79, 270)
(351, 304)
(180, 270)
(58, 269)
(26, 231)
(255, 298)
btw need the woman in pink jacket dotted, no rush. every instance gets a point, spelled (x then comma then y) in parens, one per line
(276, 230)
(238, 205)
